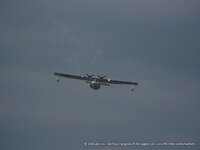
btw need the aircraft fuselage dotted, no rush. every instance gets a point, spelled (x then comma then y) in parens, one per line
(95, 85)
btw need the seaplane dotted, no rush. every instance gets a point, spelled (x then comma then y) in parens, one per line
(95, 82)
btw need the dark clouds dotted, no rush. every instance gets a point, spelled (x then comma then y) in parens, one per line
(154, 43)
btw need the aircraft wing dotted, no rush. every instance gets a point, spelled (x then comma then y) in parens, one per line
(109, 81)
(72, 76)
(102, 81)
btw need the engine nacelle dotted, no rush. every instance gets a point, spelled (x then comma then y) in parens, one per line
(94, 85)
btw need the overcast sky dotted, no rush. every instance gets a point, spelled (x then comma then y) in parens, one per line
(155, 43)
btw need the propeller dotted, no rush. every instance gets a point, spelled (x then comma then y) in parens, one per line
(101, 77)
(89, 76)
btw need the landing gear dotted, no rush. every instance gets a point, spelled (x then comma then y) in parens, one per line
(57, 79)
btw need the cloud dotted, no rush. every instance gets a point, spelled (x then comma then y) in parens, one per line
(154, 43)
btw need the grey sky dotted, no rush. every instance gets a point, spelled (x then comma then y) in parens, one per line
(155, 43)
